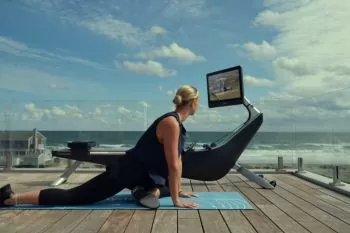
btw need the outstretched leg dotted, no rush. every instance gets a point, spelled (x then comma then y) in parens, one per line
(96, 189)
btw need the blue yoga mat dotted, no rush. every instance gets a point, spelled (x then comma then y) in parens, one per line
(123, 200)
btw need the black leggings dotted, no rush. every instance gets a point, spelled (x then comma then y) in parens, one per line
(127, 173)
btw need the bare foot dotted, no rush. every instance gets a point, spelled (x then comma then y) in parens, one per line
(156, 192)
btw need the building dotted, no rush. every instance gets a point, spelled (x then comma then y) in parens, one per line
(23, 148)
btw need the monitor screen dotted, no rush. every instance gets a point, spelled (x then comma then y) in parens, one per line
(225, 87)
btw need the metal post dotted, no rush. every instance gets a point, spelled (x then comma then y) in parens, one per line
(336, 179)
(8, 160)
(280, 163)
(300, 164)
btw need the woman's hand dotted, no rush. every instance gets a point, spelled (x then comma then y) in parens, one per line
(186, 204)
(187, 195)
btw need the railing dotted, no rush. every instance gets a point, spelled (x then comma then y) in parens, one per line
(314, 132)
(310, 133)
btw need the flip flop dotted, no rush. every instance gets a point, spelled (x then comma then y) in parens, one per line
(145, 198)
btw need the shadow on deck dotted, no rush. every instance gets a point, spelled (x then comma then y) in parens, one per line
(294, 206)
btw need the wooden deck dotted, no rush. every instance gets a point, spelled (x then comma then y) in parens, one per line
(294, 206)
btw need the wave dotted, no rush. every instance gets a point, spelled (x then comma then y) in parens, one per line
(114, 145)
(291, 156)
(302, 146)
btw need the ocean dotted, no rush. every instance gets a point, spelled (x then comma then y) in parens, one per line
(315, 147)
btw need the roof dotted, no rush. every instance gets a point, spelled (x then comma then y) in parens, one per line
(18, 135)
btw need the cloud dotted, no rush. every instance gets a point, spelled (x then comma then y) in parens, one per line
(118, 29)
(172, 51)
(277, 6)
(188, 8)
(60, 114)
(26, 79)
(101, 18)
(98, 17)
(236, 45)
(168, 92)
(295, 66)
(259, 51)
(36, 113)
(258, 81)
(63, 113)
(145, 104)
(308, 48)
(298, 110)
(17, 48)
(23, 81)
(7, 45)
(157, 30)
(128, 115)
(147, 68)
(122, 31)
(255, 51)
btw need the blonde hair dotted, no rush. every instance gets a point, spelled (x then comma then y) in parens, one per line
(185, 94)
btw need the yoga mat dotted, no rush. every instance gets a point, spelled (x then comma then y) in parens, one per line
(124, 200)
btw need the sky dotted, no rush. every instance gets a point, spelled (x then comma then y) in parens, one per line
(115, 65)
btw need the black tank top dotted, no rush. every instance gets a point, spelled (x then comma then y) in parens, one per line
(149, 151)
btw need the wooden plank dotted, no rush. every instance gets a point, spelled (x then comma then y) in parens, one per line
(326, 218)
(70, 221)
(23, 221)
(261, 222)
(310, 198)
(7, 214)
(294, 182)
(93, 221)
(117, 221)
(235, 220)
(190, 225)
(310, 223)
(282, 220)
(23, 182)
(188, 220)
(257, 218)
(248, 191)
(321, 190)
(8, 178)
(45, 220)
(339, 196)
(141, 222)
(165, 221)
(212, 220)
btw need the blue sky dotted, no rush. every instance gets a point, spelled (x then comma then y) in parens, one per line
(102, 65)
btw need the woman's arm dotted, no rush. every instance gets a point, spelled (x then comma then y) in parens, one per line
(169, 132)
(180, 167)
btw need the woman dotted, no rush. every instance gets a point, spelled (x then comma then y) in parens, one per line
(153, 163)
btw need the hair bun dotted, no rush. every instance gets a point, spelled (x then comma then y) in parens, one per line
(177, 100)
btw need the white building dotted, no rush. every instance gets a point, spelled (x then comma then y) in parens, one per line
(23, 148)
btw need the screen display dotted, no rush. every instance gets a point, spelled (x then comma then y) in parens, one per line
(225, 87)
